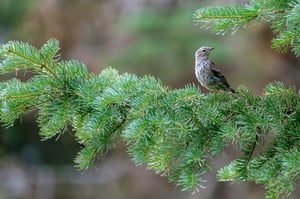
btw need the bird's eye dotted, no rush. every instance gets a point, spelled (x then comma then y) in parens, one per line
(203, 50)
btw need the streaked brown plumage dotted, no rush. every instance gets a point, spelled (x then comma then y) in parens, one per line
(207, 73)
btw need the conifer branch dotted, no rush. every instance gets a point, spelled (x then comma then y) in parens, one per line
(177, 133)
(283, 16)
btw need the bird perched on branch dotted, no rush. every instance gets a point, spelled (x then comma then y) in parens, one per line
(207, 73)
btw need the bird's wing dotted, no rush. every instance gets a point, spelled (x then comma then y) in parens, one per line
(217, 73)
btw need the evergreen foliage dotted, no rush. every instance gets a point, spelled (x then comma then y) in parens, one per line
(283, 16)
(177, 133)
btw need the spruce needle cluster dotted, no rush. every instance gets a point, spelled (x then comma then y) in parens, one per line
(175, 132)
(282, 15)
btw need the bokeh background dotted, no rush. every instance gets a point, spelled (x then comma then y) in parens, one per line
(156, 37)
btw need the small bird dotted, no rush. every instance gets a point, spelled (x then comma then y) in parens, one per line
(207, 73)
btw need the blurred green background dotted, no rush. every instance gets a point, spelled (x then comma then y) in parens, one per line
(156, 37)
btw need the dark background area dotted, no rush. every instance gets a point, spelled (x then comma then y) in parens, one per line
(144, 37)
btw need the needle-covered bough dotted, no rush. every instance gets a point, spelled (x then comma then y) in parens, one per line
(177, 133)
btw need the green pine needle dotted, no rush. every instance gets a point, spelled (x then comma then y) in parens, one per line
(176, 133)
(283, 15)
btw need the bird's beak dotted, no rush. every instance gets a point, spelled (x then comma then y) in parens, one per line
(211, 48)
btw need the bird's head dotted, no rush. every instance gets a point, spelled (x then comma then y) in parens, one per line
(204, 51)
